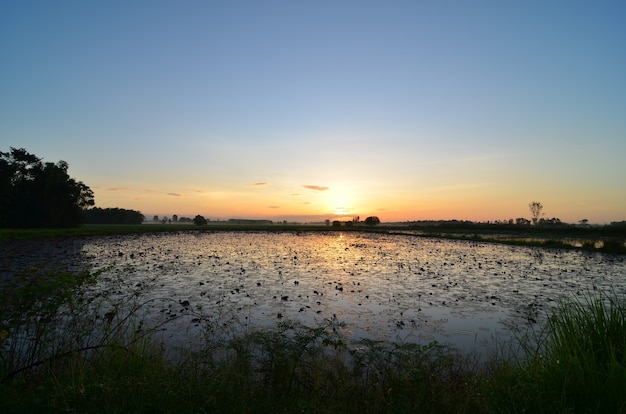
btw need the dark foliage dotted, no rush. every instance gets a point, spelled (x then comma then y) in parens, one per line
(199, 221)
(37, 194)
(113, 216)
(372, 221)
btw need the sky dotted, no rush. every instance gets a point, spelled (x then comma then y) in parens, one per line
(313, 110)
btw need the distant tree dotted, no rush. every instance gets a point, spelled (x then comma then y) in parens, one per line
(155, 219)
(174, 218)
(199, 221)
(336, 223)
(551, 221)
(349, 223)
(521, 221)
(372, 221)
(327, 222)
(37, 194)
(113, 216)
(535, 210)
(584, 222)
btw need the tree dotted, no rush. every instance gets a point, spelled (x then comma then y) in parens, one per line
(155, 219)
(535, 210)
(199, 221)
(40, 195)
(372, 221)
(113, 216)
(174, 218)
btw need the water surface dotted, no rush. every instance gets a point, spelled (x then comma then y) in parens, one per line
(382, 286)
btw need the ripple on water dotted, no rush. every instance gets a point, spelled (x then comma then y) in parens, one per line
(381, 286)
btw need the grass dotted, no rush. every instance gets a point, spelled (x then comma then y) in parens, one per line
(55, 357)
(583, 366)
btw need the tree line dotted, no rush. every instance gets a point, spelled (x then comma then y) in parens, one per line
(38, 194)
(98, 215)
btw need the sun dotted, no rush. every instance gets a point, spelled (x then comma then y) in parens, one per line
(341, 200)
(340, 211)
(340, 206)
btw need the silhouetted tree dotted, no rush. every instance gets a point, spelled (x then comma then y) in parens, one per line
(35, 194)
(112, 216)
(174, 218)
(535, 209)
(199, 221)
(155, 219)
(551, 221)
(372, 221)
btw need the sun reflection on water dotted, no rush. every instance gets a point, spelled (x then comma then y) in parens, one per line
(382, 286)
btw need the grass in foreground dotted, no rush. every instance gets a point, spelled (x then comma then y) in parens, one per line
(579, 366)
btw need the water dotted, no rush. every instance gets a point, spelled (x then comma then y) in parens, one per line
(467, 294)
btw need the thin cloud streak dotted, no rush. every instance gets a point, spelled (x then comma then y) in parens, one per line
(316, 187)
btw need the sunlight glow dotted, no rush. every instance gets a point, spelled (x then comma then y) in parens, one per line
(340, 211)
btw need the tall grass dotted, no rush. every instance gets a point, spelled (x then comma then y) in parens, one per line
(579, 366)
(54, 358)
(584, 364)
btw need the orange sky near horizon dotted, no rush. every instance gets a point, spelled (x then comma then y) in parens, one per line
(341, 202)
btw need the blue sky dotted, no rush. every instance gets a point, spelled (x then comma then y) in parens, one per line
(311, 110)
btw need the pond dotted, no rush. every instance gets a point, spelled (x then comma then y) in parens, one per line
(390, 287)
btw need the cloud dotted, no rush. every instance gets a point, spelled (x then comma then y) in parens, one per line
(262, 184)
(306, 202)
(273, 206)
(295, 194)
(117, 188)
(315, 187)
(151, 190)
